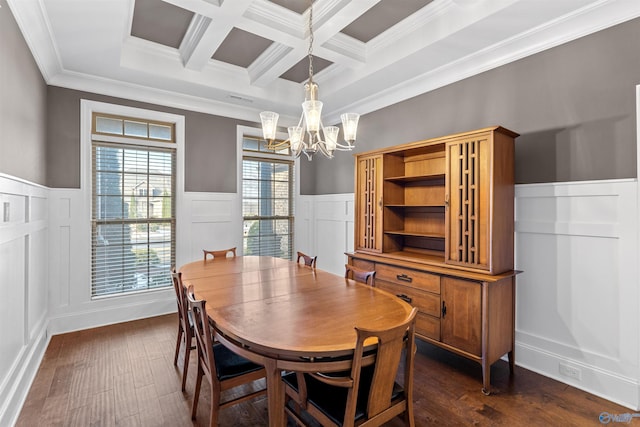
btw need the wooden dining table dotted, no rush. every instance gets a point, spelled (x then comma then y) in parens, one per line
(287, 316)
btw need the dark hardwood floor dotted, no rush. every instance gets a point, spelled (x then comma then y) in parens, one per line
(123, 375)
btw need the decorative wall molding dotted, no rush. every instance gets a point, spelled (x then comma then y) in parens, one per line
(324, 227)
(214, 222)
(577, 298)
(23, 247)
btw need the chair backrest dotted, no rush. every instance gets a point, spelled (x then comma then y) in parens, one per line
(181, 298)
(391, 343)
(204, 339)
(219, 254)
(308, 261)
(359, 275)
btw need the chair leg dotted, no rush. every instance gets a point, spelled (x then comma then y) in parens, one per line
(185, 367)
(215, 406)
(196, 393)
(178, 342)
(408, 414)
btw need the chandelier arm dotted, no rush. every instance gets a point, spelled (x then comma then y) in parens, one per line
(344, 147)
(272, 145)
(323, 150)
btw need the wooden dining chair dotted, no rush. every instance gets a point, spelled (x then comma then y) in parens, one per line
(359, 275)
(308, 260)
(367, 393)
(185, 325)
(223, 368)
(219, 254)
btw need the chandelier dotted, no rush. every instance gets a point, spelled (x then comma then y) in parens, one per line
(306, 137)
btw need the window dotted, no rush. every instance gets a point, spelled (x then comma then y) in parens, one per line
(133, 205)
(267, 200)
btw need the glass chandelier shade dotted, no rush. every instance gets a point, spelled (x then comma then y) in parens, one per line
(310, 135)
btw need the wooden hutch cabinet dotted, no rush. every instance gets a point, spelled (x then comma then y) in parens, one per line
(435, 220)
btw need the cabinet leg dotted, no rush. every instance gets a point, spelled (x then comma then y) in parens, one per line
(512, 361)
(486, 378)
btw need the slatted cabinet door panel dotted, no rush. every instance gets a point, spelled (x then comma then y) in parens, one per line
(461, 318)
(467, 199)
(369, 203)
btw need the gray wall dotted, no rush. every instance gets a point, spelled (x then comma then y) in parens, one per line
(573, 105)
(23, 112)
(210, 142)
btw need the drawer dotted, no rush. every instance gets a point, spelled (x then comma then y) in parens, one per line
(428, 326)
(362, 264)
(404, 276)
(426, 302)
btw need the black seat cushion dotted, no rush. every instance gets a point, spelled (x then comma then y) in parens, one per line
(229, 364)
(332, 401)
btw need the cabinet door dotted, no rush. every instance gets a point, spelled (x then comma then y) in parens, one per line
(369, 203)
(461, 318)
(468, 203)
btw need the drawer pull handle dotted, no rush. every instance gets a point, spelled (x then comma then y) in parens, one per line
(404, 298)
(404, 278)
(444, 309)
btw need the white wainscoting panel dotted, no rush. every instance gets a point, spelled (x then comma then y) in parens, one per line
(324, 227)
(214, 222)
(23, 306)
(577, 298)
(71, 307)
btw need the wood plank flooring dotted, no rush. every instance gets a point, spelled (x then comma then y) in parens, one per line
(123, 375)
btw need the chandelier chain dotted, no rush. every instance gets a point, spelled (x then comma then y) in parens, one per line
(310, 54)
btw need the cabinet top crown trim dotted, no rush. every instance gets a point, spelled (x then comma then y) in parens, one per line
(437, 140)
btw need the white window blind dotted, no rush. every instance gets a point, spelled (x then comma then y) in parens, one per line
(133, 217)
(267, 204)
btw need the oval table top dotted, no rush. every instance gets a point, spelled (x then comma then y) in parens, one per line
(287, 311)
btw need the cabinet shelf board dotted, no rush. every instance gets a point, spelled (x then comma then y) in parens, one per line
(433, 177)
(414, 234)
(432, 205)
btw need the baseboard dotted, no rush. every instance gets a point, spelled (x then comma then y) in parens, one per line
(14, 392)
(607, 385)
(95, 317)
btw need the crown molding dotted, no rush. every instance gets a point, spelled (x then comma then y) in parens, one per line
(133, 92)
(36, 30)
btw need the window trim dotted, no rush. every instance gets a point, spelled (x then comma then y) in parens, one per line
(87, 109)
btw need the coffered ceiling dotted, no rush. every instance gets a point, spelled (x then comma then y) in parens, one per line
(239, 57)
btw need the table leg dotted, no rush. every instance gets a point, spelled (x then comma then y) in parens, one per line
(275, 394)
